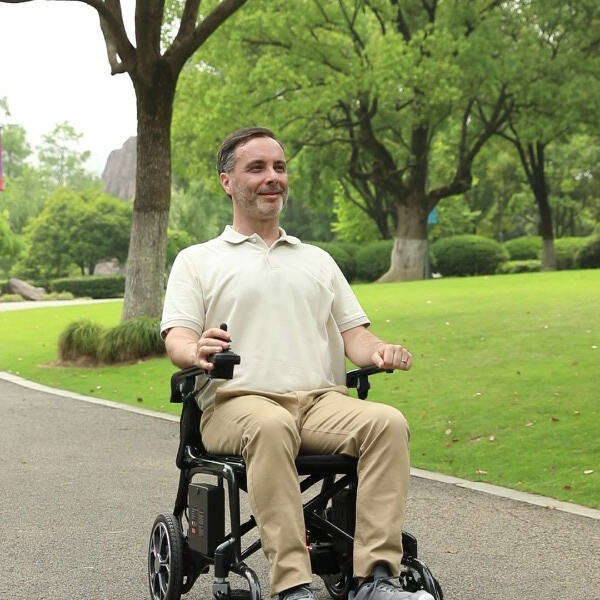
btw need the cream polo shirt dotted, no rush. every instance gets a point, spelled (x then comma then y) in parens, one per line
(285, 307)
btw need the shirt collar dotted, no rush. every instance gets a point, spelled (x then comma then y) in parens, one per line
(235, 237)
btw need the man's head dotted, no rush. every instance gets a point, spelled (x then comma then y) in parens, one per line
(252, 170)
(226, 156)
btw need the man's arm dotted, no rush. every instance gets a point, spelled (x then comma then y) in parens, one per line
(364, 349)
(186, 348)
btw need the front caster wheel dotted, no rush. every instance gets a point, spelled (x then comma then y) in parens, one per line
(165, 559)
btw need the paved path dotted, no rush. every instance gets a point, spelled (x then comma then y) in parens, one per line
(81, 484)
(24, 305)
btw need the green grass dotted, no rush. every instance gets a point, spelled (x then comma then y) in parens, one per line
(505, 386)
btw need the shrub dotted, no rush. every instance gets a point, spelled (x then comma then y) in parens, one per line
(527, 247)
(520, 266)
(79, 340)
(342, 256)
(373, 259)
(588, 256)
(11, 298)
(93, 286)
(467, 255)
(58, 296)
(565, 250)
(133, 339)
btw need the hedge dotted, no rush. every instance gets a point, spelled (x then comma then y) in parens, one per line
(565, 250)
(527, 247)
(519, 266)
(373, 259)
(93, 286)
(467, 255)
(588, 256)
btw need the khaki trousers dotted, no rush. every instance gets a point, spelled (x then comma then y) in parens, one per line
(270, 430)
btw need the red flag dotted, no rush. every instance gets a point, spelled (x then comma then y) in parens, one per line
(1, 176)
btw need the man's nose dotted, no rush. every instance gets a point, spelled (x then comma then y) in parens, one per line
(272, 174)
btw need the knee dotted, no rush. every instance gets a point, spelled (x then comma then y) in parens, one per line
(274, 432)
(392, 425)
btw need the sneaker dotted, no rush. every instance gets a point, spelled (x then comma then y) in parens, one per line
(300, 592)
(384, 589)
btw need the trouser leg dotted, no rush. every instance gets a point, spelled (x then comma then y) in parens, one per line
(265, 433)
(379, 436)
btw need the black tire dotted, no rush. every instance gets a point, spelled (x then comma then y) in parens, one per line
(165, 558)
(338, 585)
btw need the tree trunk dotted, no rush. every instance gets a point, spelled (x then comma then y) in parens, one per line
(548, 253)
(540, 191)
(145, 274)
(409, 253)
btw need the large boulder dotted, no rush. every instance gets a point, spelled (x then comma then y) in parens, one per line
(119, 172)
(24, 289)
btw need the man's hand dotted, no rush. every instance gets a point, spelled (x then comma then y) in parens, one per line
(392, 356)
(364, 349)
(210, 342)
(187, 349)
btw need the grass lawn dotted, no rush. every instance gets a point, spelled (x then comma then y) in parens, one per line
(505, 387)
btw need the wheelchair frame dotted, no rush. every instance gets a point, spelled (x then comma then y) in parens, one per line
(174, 567)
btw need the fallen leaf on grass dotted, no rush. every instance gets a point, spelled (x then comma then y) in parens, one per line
(448, 431)
(492, 438)
(588, 471)
(566, 487)
(554, 419)
(481, 472)
(530, 424)
(140, 399)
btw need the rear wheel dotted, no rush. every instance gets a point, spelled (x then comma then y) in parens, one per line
(165, 558)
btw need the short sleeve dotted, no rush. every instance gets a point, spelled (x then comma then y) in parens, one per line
(346, 309)
(184, 302)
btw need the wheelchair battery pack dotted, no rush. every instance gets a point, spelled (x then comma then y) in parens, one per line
(206, 517)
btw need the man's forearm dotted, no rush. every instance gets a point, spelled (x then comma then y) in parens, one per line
(182, 347)
(363, 349)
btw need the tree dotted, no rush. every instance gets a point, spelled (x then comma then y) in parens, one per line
(60, 156)
(76, 228)
(562, 94)
(154, 64)
(377, 83)
(15, 150)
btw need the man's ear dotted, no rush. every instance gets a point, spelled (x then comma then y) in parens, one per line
(225, 182)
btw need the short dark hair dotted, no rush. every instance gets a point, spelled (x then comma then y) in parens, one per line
(226, 155)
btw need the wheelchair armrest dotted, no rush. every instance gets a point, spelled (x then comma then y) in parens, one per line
(183, 382)
(359, 379)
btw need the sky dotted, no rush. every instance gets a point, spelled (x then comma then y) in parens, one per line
(54, 68)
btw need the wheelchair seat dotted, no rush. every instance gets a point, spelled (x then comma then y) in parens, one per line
(177, 557)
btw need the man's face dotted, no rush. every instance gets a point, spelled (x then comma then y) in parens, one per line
(258, 183)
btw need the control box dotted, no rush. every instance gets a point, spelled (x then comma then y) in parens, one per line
(206, 517)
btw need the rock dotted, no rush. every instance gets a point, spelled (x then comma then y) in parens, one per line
(119, 172)
(24, 289)
(109, 267)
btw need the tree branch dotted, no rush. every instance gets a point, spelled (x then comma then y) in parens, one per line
(185, 45)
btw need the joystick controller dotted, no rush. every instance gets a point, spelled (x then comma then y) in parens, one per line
(223, 362)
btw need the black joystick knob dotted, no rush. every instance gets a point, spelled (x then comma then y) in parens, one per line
(223, 362)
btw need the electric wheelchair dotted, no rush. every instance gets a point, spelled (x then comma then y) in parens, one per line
(177, 556)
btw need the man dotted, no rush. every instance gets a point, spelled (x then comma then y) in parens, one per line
(293, 317)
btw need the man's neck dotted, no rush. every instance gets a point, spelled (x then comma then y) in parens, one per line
(268, 231)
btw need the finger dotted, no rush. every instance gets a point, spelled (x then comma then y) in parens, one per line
(216, 333)
(204, 353)
(405, 361)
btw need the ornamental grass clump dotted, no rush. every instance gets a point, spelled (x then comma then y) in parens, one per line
(80, 341)
(131, 340)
